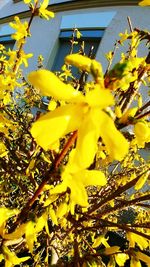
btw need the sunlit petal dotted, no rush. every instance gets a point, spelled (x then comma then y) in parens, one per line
(116, 144)
(99, 97)
(50, 85)
(93, 177)
(78, 193)
(58, 189)
(54, 125)
(87, 142)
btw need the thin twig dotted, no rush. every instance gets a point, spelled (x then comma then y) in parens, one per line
(142, 108)
(130, 24)
(116, 193)
(23, 214)
(142, 115)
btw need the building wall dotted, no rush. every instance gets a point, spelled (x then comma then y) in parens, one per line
(45, 34)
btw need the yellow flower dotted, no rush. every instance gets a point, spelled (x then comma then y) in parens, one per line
(3, 150)
(77, 60)
(11, 259)
(143, 257)
(142, 133)
(135, 263)
(121, 258)
(100, 240)
(144, 3)
(124, 36)
(20, 27)
(50, 85)
(76, 179)
(27, 1)
(129, 114)
(141, 241)
(43, 12)
(82, 113)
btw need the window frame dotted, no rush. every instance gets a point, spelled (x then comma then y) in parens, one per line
(88, 34)
(4, 39)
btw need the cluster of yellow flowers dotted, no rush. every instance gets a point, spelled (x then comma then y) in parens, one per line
(88, 115)
(95, 117)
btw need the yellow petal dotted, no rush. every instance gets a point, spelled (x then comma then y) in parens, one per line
(79, 61)
(62, 210)
(54, 125)
(52, 105)
(60, 188)
(99, 97)
(75, 183)
(1, 257)
(141, 181)
(141, 241)
(27, 1)
(116, 144)
(111, 250)
(6, 213)
(10, 257)
(144, 3)
(78, 193)
(100, 240)
(41, 222)
(30, 235)
(18, 233)
(93, 177)
(121, 258)
(143, 257)
(135, 263)
(130, 113)
(142, 133)
(87, 142)
(52, 215)
(50, 85)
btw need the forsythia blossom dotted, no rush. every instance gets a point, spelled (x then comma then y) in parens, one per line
(144, 3)
(83, 113)
(20, 27)
(43, 12)
(76, 179)
(142, 133)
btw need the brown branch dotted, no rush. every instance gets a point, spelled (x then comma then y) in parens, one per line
(142, 115)
(115, 194)
(23, 214)
(110, 61)
(23, 42)
(132, 91)
(130, 24)
(142, 108)
(126, 228)
(123, 204)
(106, 223)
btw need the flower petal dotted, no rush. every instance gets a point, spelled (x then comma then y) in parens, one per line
(78, 193)
(144, 3)
(116, 144)
(50, 85)
(93, 177)
(79, 61)
(55, 124)
(87, 143)
(99, 97)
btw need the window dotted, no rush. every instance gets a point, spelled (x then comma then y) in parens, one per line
(7, 41)
(16, 1)
(91, 40)
(91, 25)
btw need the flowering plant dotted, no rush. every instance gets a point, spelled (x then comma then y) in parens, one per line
(73, 175)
